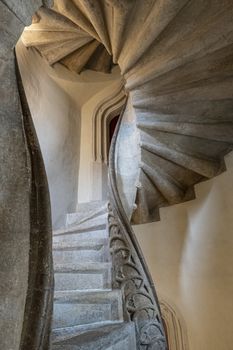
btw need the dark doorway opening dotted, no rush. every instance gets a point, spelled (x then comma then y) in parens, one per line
(112, 127)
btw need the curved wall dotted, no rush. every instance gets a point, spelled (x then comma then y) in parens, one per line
(190, 256)
(63, 107)
(127, 158)
(57, 122)
(93, 172)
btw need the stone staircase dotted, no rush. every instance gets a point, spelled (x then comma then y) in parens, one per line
(88, 314)
(178, 73)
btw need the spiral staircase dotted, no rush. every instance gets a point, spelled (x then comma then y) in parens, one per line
(177, 61)
(176, 57)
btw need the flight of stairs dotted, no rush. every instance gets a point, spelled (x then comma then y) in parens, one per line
(88, 314)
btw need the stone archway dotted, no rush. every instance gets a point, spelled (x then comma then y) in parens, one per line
(175, 326)
(105, 111)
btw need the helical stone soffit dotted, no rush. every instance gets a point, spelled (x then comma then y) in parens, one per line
(176, 57)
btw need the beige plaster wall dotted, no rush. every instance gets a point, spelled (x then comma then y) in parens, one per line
(87, 90)
(62, 104)
(57, 121)
(190, 256)
(93, 174)
(82, 87)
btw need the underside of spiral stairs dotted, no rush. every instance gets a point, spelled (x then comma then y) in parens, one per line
(176, 57)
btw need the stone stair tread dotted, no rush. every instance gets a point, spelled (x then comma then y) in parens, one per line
(85, 227)
(86, 223)
(68, 237)
(86, 244)
(83, 276)
(59, 293)
(96, 337)
(86, 295)
(95, 250)
(82, 267)
(92, 205)
(66, 333)
(125, 344)
(87, 211)
(71, 309)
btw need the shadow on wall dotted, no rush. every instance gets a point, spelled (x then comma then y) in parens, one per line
(57, 122)
(189, 253)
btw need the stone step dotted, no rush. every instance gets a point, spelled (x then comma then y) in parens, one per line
(81, 251)
(91, 275)
(59, 335)
(85, 307)
(99, 337)
(128, 343)
(91, 206)
(100, 61)
(69, 236)
(87, 211)
(93, 224)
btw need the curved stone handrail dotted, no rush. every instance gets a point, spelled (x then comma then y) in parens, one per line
(130, 272)
(39, 302)
(25, 249)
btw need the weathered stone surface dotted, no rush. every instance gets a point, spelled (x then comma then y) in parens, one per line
(75, 236)
(91, 208)
(100, 338)
(77, 307)
(85, 306)
(10, 28)
(177, 67)
(82, 276)
(85, 251)
(88, 212)
(15, 193)
(25, 9)
(37, 321)
(127, 158)
(14, 207)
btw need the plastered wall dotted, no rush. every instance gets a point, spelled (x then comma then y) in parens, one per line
(57, 122)
(62, 104)
(93, 173)
(190, 256)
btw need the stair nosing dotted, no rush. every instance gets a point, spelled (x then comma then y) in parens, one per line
(78, 230)
(58, 295)
(88, 266)
(84, 327)
(96, 244)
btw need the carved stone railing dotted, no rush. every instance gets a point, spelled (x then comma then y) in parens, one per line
(130, 272)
